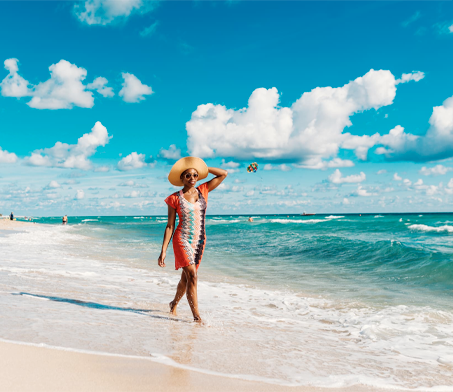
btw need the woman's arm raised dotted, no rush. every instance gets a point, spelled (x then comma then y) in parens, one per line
(167, 235)
(220, 175)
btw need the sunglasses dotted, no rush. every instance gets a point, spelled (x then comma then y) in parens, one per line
(190, 175)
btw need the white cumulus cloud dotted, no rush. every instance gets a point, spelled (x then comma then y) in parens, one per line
(102, 169)
(309, 132)
(324, 165)
(99, 85)
(131, 183)
(432, 190)
(173, 153)
(418, 185)
(80, 194)
(360, 144)
(396, 177)
(132, 161)
(407, 77)
(132, 194)
(435, 171)
(360, 191)
(7, 157)
(104, 12)
(14, 85)
(53, 185)
(337, 178)
(436, 144)
(133, 89)
(449, 187)
(127, 183)
(396, 140)
(63, 90)
(229, 165)
(281, 167)
(72, 156)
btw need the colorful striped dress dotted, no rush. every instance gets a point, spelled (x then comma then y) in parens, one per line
(189, 238)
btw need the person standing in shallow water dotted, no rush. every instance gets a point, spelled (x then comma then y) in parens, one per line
(189, 238)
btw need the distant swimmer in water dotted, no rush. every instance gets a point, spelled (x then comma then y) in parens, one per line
(189, 238)
(250, 219)
(65, 219)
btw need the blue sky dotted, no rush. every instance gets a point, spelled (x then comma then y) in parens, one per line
(299, 87)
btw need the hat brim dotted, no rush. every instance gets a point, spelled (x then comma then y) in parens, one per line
(187, 163)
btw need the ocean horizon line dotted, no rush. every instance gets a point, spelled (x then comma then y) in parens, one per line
(237, 215)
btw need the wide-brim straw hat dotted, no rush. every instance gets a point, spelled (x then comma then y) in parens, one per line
(187, 163)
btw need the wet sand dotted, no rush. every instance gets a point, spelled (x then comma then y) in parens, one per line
(25, 368)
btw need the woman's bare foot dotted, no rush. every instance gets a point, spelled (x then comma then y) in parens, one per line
(173, 306)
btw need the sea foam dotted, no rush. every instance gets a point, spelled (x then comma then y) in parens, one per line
(439, 229)
(297, 220)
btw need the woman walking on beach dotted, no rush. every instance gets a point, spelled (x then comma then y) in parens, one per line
(189, 238)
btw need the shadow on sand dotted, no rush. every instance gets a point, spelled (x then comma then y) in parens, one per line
(95, 305)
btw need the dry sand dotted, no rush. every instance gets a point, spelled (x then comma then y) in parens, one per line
(6, 224)
(25, 368)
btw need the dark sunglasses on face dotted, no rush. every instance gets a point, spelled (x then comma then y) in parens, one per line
(190, 175)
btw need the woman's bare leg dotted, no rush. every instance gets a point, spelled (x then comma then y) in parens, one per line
(191, 291)
(180, 291)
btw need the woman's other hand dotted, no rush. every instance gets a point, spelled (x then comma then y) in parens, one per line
(161, 260)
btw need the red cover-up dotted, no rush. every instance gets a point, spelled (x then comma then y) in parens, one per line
(189, 238)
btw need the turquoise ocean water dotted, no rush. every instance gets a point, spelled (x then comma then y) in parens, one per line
(324, 300)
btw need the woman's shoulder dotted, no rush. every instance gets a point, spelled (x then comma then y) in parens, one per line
(203, 186)
(173, 199)
(204, 189)
(174, 195)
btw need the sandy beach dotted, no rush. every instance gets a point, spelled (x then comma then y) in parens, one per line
(7, 224)
(26, 368)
